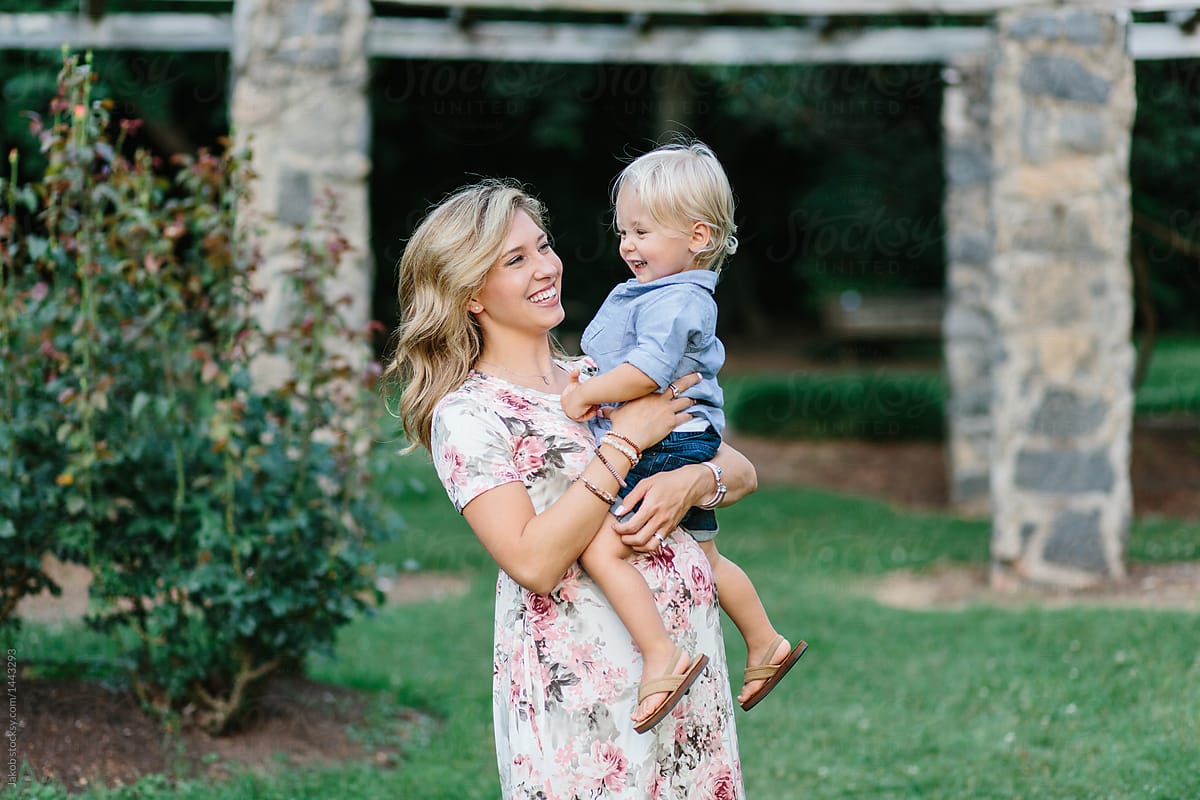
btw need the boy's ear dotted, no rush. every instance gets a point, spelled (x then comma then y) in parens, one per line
(701, 236)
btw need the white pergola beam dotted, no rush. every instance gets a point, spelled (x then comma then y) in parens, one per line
(793, 7)
(1157, 42)
(575, 43)
(568, 43)
(116, 31)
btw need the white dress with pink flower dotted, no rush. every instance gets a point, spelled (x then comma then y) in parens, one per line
(565, 670)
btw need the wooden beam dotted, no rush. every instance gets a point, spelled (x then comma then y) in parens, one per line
(391, 37)
(116, 31)
(790, 7)
(1154, 41)
(594, 43)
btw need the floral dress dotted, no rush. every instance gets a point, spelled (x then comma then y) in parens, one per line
(565, 670)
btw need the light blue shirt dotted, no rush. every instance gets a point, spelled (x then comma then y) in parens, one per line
(666, 328)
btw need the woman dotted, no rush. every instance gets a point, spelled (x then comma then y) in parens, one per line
(481, 378)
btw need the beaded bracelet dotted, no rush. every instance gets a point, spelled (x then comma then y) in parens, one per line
(626, 440)
(612, 470)
(716, 499)
(596, 490)
(622, 446)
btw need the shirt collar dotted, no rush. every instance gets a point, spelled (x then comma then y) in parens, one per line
(705, 278)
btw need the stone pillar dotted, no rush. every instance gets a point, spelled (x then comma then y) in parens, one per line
(1062, 112)
(967, 327)
(300, 101)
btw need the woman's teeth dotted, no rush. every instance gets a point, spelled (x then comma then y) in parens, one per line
(544, 295)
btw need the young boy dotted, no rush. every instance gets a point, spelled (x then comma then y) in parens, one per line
(674, 216)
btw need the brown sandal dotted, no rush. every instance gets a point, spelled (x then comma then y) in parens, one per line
(771, 673)
(676, 686)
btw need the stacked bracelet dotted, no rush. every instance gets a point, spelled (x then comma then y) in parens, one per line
(596, 490)
(612, 470)
(716, 499)
(622, 445)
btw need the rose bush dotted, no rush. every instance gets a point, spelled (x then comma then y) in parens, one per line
(227, 524)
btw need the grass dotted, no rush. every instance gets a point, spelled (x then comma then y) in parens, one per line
(981, 703)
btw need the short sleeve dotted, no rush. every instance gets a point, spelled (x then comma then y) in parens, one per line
(471, 450)
(676, 322)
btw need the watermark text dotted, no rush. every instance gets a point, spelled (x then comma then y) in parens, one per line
(10, 729)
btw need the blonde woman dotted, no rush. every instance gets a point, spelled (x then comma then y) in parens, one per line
(480, 381)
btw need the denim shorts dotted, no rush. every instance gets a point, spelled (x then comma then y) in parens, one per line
(679, 449)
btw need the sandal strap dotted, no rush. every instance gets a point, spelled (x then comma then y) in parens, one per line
(667, 682)
(760, 673)
(764, 669)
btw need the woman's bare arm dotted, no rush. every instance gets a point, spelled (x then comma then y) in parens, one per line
(536, 549)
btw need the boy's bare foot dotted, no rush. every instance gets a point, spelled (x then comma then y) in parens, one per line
(759, 655)
(660, 665)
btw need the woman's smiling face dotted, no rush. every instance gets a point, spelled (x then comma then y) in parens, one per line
(521, 292)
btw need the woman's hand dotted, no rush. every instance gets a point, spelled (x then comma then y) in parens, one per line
(667, 496)
(647, 420)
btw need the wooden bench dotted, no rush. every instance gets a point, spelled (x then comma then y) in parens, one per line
(854, 316)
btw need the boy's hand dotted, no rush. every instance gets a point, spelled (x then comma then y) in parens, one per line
(573, 405)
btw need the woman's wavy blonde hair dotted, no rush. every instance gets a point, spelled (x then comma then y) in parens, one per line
(444, 264)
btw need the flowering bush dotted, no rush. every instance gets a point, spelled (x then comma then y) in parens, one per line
(227, 524)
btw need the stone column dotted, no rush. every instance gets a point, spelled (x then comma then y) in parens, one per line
(300, 101)
(967, 327)
(1062, 112)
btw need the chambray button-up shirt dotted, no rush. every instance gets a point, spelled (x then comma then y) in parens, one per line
(666, 328)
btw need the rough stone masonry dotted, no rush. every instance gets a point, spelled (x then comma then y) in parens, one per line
(1062, 107)
(968, 330)
(300, 102)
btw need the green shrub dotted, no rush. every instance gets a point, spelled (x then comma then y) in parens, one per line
(226, 523)
(1172, 384)
(880, 406)
(29, 452)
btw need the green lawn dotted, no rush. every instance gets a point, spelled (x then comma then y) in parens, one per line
(982, 703)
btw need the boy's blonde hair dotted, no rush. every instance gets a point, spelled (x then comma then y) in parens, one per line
(444, 264)
(680, 184)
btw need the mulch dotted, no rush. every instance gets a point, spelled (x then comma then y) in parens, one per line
(81, 733)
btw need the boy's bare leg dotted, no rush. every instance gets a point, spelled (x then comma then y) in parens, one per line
(739, 599)
(606, 561)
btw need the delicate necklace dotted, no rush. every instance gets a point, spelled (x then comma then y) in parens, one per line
(544, 378)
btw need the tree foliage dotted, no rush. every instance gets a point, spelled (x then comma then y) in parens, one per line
(1164, 160)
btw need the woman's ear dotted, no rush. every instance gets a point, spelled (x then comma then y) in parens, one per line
(701, 236)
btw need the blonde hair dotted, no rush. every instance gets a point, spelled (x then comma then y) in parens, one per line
(444, 264)
(680, 184)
